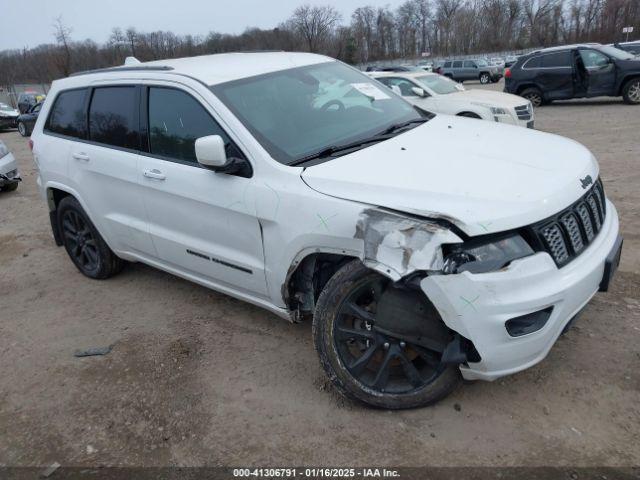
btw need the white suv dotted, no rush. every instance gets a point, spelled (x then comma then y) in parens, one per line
(426, 248)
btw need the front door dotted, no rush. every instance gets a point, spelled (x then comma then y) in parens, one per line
(201, 222)
(601, 72)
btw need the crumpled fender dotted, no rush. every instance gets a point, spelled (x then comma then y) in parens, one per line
(397, 245)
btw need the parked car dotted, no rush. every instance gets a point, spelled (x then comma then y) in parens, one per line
(497, 62)
(9, 177)
(631, 47)
(26, 121)
(424, 247)
(27, 100)
(510, 60)
(575, 71)
(439, 94)
(397, 68)
(461, 70)
(8, 116)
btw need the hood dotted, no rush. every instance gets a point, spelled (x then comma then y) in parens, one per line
(490, 98)
(9, 113)
(482, 176)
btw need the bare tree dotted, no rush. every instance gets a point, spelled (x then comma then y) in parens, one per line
(315, 24)
(62, 34)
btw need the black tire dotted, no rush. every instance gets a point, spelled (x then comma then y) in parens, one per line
(485, 78)
(86, 248)
(23, 129)
(331, 342)
(631, 91)
(534, 95)
(11, 187)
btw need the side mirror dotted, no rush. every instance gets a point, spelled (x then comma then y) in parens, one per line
(418, 91)
(211, 152)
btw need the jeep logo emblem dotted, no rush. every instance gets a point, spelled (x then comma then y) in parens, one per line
(586, 181)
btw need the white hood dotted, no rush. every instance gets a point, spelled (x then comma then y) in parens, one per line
(488, 97)
(484, 177)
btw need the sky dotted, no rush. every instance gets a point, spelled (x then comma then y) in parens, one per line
(28, 26)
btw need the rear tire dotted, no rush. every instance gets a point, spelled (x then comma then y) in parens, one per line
(86, 248)
(485, 78)
(339, 331)
(534, 95)
(631, 92)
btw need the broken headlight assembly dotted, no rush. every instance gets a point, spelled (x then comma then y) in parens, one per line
(484, 255)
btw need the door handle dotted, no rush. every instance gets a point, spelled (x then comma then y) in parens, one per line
(81, 156)
(155, 174)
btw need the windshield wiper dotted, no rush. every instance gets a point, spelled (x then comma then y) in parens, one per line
(384, 135)
(400, 126)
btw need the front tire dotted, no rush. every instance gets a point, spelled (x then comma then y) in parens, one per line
(86, 248)
(22, 129)
(534, 95)
(372, 364)
(631, 92)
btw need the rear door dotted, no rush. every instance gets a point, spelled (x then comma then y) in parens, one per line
(104, 167)
(555, 75)
(601, 72)
(469, 70)
(202, 223)
(456, 69)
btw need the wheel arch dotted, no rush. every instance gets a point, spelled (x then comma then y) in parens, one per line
(522, 87)
(625, 79)
(469, 114)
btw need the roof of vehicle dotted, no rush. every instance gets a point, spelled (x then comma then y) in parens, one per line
(565, 47)
(401, 74)
(223, 67)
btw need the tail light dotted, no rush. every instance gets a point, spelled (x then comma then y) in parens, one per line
(507, 73)
(31, 145)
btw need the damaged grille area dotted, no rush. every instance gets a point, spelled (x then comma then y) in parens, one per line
(568, 233)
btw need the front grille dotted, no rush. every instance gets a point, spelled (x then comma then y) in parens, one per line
(568, 233)
(524, 112)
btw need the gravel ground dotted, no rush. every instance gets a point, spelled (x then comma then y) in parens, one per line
(198, 378)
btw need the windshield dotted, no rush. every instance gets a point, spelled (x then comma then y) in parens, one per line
(297, 112)
(439, 84)
(616, 52)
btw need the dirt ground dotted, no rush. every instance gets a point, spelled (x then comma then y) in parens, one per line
(198, 378)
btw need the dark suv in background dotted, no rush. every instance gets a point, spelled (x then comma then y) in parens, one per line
(575, 71)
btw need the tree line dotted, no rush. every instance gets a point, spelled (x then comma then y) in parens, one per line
(439, 28)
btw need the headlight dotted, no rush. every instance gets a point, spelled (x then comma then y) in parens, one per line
(485, 255)
(498, 111)
(3, 150)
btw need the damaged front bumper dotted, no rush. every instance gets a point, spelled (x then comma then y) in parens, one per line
(9, 170)
(478, 306)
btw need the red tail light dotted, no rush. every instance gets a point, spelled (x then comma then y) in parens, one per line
(31, 145)
(507, 73)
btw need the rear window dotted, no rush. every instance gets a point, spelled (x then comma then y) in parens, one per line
(559, 59)
(532, 63)
(447, 65)
(67, 116)
(113, 118)
(457, 64)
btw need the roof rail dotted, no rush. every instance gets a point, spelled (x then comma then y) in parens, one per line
(124, 69)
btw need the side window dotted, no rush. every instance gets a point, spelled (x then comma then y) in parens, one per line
(176, 121)
(457, 64)
(592, 58)
(67, 116)
(469, 64)
(113, 118)
(532, 63)
(404, 86)
(447, 65)
(37, 108)
(556, 60)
